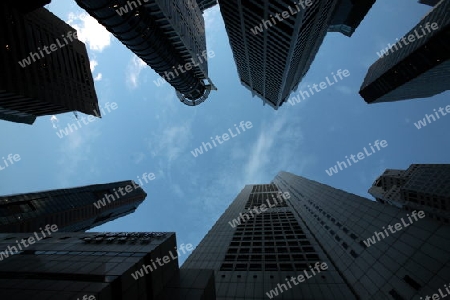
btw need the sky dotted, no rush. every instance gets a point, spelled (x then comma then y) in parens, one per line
(150, 131)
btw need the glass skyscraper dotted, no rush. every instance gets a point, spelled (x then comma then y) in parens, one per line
(417, 65)
(74, 209)
(275, 42)
(98, 266)
(273, 233)
(168, 35)
(44, 68)
(421, 187)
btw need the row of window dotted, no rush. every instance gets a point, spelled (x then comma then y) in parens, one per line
(332, 232)
(265, 266)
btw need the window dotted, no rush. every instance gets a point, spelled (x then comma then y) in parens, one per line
(395, 295)
(414, 284)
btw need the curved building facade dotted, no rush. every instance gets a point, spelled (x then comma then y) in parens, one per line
(167, 35)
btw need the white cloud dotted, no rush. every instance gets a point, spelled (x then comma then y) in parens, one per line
(171, 141)
(212, 25)
(210, 16)
(98, 77)
(259, 155)
(93, 63)
(90, 31)
(54, 121)
(134, 69)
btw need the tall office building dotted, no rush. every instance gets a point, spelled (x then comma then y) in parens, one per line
(101, 266)
(168, 35)
(75, 209)
(421, 187)
(27, 6)
(262, 244)
(348, 15)
(275, 42)
(205, 4)
(417, 66)
(44, 69)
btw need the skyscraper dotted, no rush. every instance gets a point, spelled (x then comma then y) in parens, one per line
(75, 209)
(168, 35)
(26, 6)
(421, 187)
(348, 15)
(44, 68)
(274, 42)
(417, 65)
(100, 266)
(272, 237)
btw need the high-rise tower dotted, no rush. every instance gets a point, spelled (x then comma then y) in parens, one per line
(421, 187)
(98, 266)
(169, 35)
(275, 42)
(44, 68)
(417, 65)
(348, 15)
(26, 6)
(75, 209)
(271, 238)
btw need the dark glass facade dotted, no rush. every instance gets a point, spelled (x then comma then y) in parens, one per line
(99, 266)
(166, 34)
(421, 187)
(348, 15)
(75, 209)
(319, 223)
(265, 249)
(37, 82)
(417, 66)
(27, 5)
(272, 55)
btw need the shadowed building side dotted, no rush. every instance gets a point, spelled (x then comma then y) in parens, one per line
(166, 35)
(348, 15)
(260, 244)
(274, 43)
(74, 209)
(417, 66)
(421, 187)
(26, 6)
(98, 266)
(36, 81)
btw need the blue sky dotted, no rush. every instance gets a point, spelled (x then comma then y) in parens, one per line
(151, 131)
